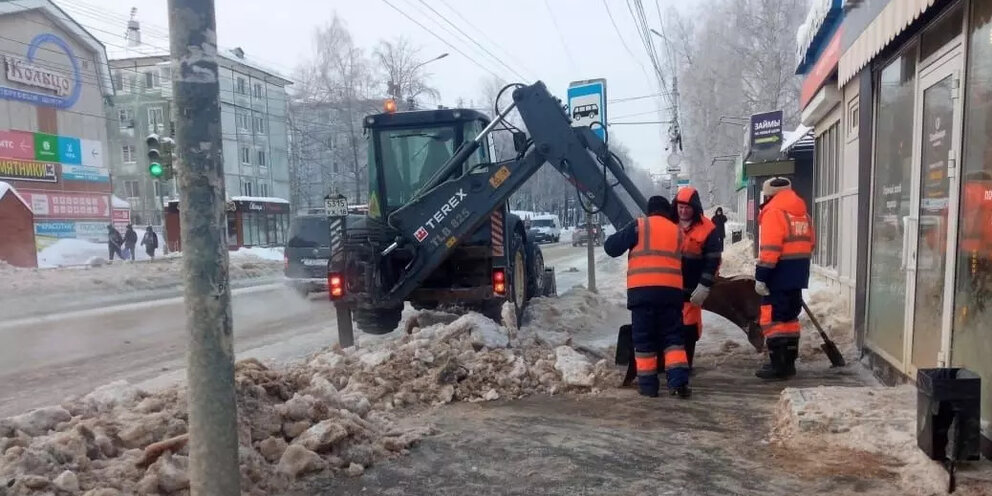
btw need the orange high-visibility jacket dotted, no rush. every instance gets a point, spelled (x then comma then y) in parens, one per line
(656, 260)
(786, 241)
(976, 217)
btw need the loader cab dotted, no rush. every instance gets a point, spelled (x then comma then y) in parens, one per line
(406, 148)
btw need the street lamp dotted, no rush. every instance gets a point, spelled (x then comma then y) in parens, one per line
(394, 87)
(439, 57)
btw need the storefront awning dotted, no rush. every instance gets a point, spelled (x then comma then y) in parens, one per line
(894, 18)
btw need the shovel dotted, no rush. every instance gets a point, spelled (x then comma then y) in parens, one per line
(625, 353)
(828, 346)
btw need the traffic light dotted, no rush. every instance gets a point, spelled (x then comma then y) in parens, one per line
(160, 156)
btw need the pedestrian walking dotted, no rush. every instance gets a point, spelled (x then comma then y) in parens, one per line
(654, 297)
(150, 242)
(720, 221)
(130, 240)
(114, 242)
(701, 255)
(785, 245)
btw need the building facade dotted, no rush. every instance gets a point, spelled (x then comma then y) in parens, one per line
(902, 111)
(53, 131)
(253, 124)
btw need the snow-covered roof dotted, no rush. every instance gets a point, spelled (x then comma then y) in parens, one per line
(261, 199)
(791, 138)
(119, 203)
(7, 188)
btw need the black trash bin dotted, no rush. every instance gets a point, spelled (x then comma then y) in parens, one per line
(736, 236)
(948, 413)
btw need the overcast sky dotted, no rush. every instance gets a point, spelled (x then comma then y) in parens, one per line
(530, 36)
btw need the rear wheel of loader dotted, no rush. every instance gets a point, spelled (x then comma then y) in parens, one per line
(378, 321)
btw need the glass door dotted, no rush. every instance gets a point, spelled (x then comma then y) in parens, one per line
(934, 203)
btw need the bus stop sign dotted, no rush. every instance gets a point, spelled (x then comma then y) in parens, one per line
(587, 105)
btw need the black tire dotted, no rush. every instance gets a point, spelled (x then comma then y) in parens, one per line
(535, 271)
(518, 272)
(378, 321)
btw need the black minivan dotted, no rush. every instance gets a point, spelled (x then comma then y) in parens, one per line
(307, 252)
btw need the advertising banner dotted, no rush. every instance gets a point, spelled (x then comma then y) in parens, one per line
(69, 150)
(83, 173)
(17, 144)
(28, 170)
(68, 205)
(46, 147)
(92, 231)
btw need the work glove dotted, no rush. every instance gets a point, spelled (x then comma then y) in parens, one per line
(761, 288)
(699, 295)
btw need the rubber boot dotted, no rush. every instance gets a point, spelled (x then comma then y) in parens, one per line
(647, 385)
(682, 392)
(775, 369)
(790, 352)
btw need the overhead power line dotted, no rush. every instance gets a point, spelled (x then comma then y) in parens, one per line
(561, 37)
(442, 40)
(471, 39)
(509, 54)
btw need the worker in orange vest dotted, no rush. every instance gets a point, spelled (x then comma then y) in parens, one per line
(701, 252)
(786, 242)
(654, 297)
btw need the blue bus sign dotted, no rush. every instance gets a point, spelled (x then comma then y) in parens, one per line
(587, 105)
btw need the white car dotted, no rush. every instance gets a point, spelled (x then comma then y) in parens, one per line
(545, 228)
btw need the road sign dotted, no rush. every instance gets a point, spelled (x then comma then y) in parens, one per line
(336, 207)
(587, 105)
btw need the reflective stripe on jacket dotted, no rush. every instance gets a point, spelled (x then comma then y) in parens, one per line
(786, 241)
(656, 259)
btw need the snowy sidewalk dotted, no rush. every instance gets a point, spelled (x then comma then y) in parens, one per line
(619, 443)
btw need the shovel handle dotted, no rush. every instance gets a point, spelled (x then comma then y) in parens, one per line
(816, 323)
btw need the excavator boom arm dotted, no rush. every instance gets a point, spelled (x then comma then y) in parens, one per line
(436, 220)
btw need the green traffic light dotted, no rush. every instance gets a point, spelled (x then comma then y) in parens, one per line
(155, 169)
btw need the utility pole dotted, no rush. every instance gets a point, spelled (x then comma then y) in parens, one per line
(213, 435)
(590, 253)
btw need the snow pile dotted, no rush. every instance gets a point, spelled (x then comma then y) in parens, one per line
(121, 275)
(738, 259)
(274, 254)
(879, 420)
(333, 413)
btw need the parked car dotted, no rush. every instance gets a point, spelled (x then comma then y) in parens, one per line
(581, 235)
(307, 253)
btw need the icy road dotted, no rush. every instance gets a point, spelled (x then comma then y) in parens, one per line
(45, 359)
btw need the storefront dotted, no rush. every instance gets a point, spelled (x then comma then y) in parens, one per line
(53, 87)
(251, 222)
(924, 158)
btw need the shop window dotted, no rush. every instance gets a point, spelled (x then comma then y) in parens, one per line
(892, 165)
(827, 198)
(971, 340)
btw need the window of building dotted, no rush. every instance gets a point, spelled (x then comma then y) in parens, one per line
(258, 124)
(246, 187)
(971, 345)
(157, 185)
(152, 80)
(241, 120)
(156, 120)
(127, 154)
(827, 198)
(126, 116)
(245, 155)
(242, 87)
(257, 90)
(118, 81)
(131, 189)
(262, 158)
(263, 189)
(853, 117)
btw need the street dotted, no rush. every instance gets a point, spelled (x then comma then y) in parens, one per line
(46, 359)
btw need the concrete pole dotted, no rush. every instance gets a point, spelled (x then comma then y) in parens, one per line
(213, 445)
(590, 253)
